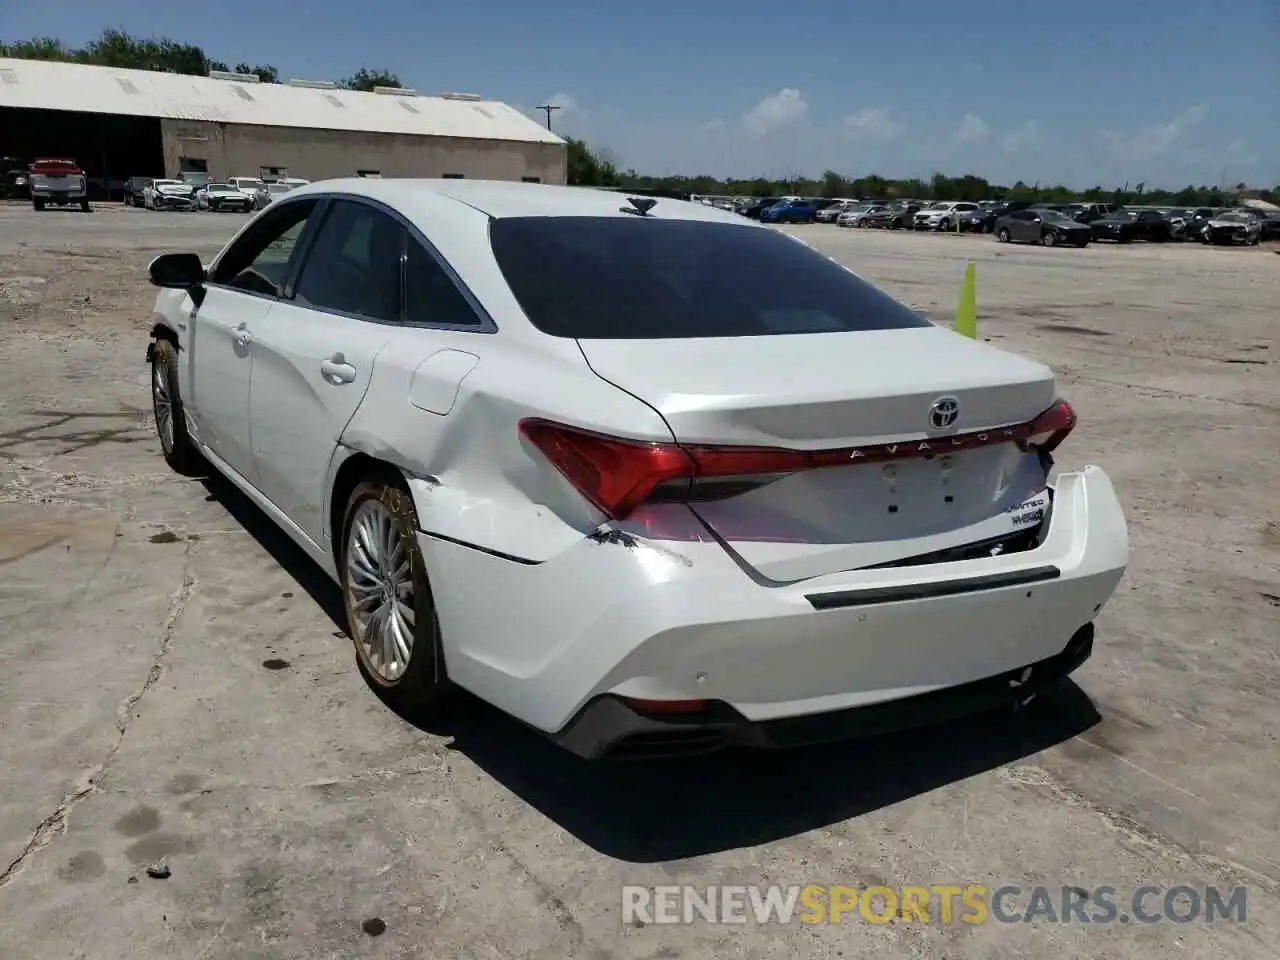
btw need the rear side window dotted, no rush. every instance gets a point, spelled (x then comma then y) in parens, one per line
(632, 278)
(430, 295)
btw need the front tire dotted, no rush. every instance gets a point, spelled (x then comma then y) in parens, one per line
(166, 404)
(1049, 239)
(1002, 235)
(391, 615)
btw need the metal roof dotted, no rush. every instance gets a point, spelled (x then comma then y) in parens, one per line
(49, 85)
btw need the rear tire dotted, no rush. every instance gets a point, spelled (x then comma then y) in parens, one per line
(166, 404)
(397, 640)
(37, 205)
(84, 206)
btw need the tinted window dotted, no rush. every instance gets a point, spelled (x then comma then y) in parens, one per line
(354, 265)
(641, 278)
(259, 262)
(430, 295)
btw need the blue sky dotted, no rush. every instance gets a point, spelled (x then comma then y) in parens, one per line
(1168, 92)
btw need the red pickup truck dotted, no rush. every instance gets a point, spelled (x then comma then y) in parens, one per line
(59, 183)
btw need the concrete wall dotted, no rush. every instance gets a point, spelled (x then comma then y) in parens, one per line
(233, 150)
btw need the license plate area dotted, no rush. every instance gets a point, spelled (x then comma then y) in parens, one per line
(877, 502)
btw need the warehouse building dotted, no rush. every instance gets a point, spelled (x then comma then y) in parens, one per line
(119, 124)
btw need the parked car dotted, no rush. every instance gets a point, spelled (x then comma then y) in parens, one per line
(1233, 226)
(1042, 225)
(1080, 212)
(829, 213)
(555, 410)
(1270, 226)
(1125, 226)
(854, 216)
(942, 215)
(272, 190)
(194, 179)
(168, 195)
(892, 217)
(757, 206)
(16, 184)
(57, 183)
(134, 191)
(790, 211)
(222, 196)
(1184, 223)
(248, 185)
(981, 220)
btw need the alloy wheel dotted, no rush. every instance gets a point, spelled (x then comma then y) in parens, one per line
(379, 585)
(162, 404)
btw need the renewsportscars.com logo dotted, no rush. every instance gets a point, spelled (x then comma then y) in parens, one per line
(937, 903)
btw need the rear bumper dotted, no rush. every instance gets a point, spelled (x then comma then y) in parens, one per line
(611, 726)
(623, 617)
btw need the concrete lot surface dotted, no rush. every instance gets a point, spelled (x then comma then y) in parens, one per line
(174, 682)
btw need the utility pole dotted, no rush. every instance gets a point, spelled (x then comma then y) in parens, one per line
(547, 108)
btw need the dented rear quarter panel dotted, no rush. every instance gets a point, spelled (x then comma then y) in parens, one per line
(473, 478)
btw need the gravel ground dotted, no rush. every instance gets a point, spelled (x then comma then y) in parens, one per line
(174, 684)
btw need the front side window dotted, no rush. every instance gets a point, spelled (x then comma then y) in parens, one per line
(643, 278)
(354, 265)
(260, 261)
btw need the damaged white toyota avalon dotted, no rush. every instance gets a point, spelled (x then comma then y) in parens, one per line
(644, 474)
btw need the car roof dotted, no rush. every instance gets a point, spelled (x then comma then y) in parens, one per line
(501, 199)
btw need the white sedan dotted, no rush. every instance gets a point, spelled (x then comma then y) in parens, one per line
(644, 474)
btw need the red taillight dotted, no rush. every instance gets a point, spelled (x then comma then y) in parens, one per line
(618, 475)
(1049, 429)
(615, 475)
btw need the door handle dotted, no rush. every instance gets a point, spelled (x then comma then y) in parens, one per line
(336, 369)
(243, 336)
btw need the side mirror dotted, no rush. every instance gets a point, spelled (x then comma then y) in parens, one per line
(177, 271)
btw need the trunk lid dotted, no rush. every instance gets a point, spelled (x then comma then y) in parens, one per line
(846, 390)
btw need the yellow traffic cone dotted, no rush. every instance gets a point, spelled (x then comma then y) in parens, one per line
(967, 312)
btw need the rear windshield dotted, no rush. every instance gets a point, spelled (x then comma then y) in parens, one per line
(629, 278)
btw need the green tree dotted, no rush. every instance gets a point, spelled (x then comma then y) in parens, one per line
(587, 169)
(365, 80)
(39, 48)
(115, 48)
(263, 71)
(833, 184)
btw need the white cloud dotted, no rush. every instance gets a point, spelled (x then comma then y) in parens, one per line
(713, 126)
(1156, 140)
(783, 109)
(1238, 152)
(1024, 136)
(972, 128)
(872, 123)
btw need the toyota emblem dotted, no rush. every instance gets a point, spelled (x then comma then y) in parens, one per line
(944, 412)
